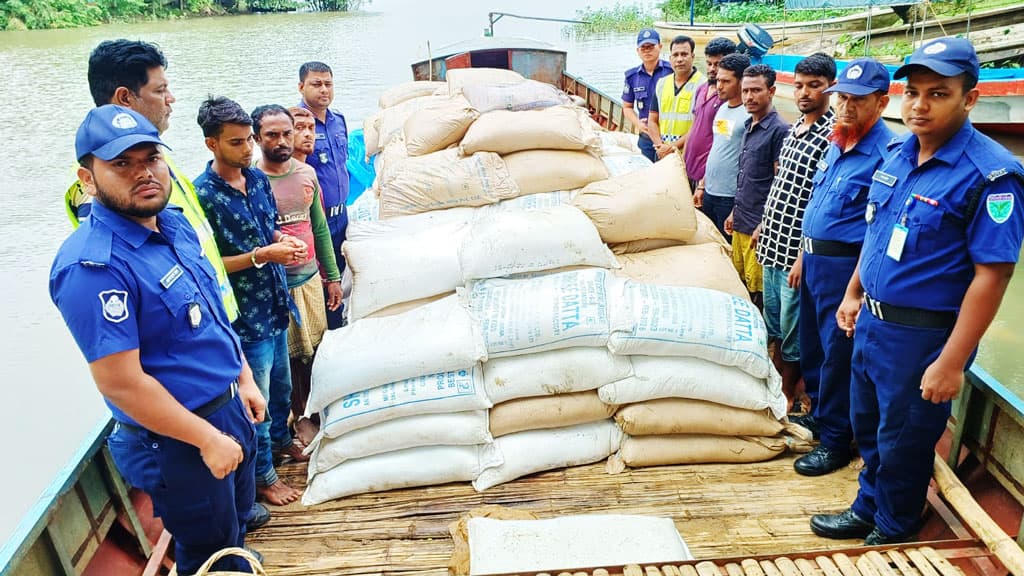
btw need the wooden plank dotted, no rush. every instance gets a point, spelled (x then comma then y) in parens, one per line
(845, 565)
(880, 563)
(670, 571)
(633, 570)
(787, 567)
(61, 551)
(828, 567)
(866, 567)
(752, 568)
(902, 564)
(770, 569)
(707, 569)
(733, 569)
(652, 571)
(940, 563)
(124, 501)
(921, 562)
(807, 568)
(688, 570)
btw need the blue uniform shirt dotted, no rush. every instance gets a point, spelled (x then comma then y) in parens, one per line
(941, 248)
(121, 286)
(835, 211)
(330, 154)
(640, 86)
(241, 223)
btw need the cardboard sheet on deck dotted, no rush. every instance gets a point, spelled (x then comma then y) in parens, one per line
(570, 542)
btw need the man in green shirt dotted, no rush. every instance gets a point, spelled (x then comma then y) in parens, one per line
(131, 73)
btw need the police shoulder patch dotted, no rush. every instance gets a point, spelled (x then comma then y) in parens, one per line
(999, 207)
(115, 305)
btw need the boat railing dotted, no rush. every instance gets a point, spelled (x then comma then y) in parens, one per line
(606, 110)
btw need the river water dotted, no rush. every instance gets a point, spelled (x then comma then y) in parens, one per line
(50, 401)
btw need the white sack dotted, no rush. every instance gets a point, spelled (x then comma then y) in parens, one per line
(366, 208)
(569, 542)
(434, 338)
(548, 312)
(554, 372)
(371, 134)
(524, 453)
(669, 377)
(620, 164)
(454, 391)
(618, 144)
(424, 466)
(702, 265)
(506, 242)
(526, 95)
(393, 119)
(445, 429)
(395, 267)
(439, 125)
(694, 322)
(459, 78)
(536, 201)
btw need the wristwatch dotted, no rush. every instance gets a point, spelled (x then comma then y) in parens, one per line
(252, 257)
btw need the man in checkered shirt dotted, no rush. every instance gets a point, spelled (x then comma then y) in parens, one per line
(778, 246)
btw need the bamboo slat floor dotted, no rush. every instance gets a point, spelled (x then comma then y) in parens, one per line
(721, 510)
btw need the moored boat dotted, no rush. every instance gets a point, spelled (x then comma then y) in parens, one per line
(999, 110)
(737, 518)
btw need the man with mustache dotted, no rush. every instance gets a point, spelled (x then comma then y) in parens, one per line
(944, 233)
(641, 82)
(671, 115)
(833, 230)
(243, 214)
(145, 308)
(778, 247)
(299, 214)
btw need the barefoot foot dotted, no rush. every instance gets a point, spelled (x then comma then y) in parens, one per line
(278, 493)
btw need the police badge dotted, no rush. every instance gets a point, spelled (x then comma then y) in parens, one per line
(115, 305)
(869, 214)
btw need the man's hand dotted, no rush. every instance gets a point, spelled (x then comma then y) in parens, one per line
(664, 150)
(941, 382)
(221, 453)
(283, 252)
(253, 400)
(754, 236)
(334, 295)
(728, 224)
(849, 310)
(698, 197)
(794, 274)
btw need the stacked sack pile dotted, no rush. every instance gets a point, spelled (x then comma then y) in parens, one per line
(493, 333)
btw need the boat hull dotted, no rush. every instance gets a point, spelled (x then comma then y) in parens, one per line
(784, 34)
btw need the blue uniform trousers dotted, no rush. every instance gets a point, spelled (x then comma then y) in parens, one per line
(647, 147)
(338, 226)
(202, 513)
(825, 350)
(896, 430)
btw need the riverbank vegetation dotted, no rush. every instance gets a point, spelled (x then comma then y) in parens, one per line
(38, 14)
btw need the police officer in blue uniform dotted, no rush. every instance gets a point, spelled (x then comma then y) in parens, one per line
(833, 230)
(144, 306)
(641, 86)
(329, 160)
(944, 231)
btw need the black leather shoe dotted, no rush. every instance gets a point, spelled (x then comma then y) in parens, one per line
(258, 516)
(876, 538)
(821, 461)
(807, 421)
(842, 526)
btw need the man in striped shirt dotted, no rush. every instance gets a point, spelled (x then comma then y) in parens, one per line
(778, 247)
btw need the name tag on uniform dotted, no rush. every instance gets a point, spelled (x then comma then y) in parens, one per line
(896, 242)
(321, 136)
(171, 277)
(887, 179)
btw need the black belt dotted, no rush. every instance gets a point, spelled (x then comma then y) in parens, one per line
(828, 247)
(916, 317)
(203, 411)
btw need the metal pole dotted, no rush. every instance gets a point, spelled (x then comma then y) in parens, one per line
(692, 2)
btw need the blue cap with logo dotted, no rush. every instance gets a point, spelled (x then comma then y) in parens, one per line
(109, 130)
(944, 56)
(861, 77)
(648, 36)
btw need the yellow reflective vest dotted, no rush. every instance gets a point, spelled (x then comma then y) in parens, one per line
(675, 111)
(183, 194)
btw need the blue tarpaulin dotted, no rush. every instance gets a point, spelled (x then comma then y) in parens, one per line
(360, 172)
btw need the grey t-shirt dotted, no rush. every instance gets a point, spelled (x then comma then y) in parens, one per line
(724, 158)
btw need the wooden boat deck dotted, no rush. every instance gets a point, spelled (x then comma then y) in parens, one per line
(725, 510)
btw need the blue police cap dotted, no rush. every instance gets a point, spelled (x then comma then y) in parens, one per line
(944, 56)
(648, 36)
(861, 77)
(109, 130)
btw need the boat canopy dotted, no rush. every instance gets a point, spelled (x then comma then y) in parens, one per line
(823, 4)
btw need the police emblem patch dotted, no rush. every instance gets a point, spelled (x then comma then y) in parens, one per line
(124, 121)
(999, 206)
(115, 305)
(934, 48)
(854, 72)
